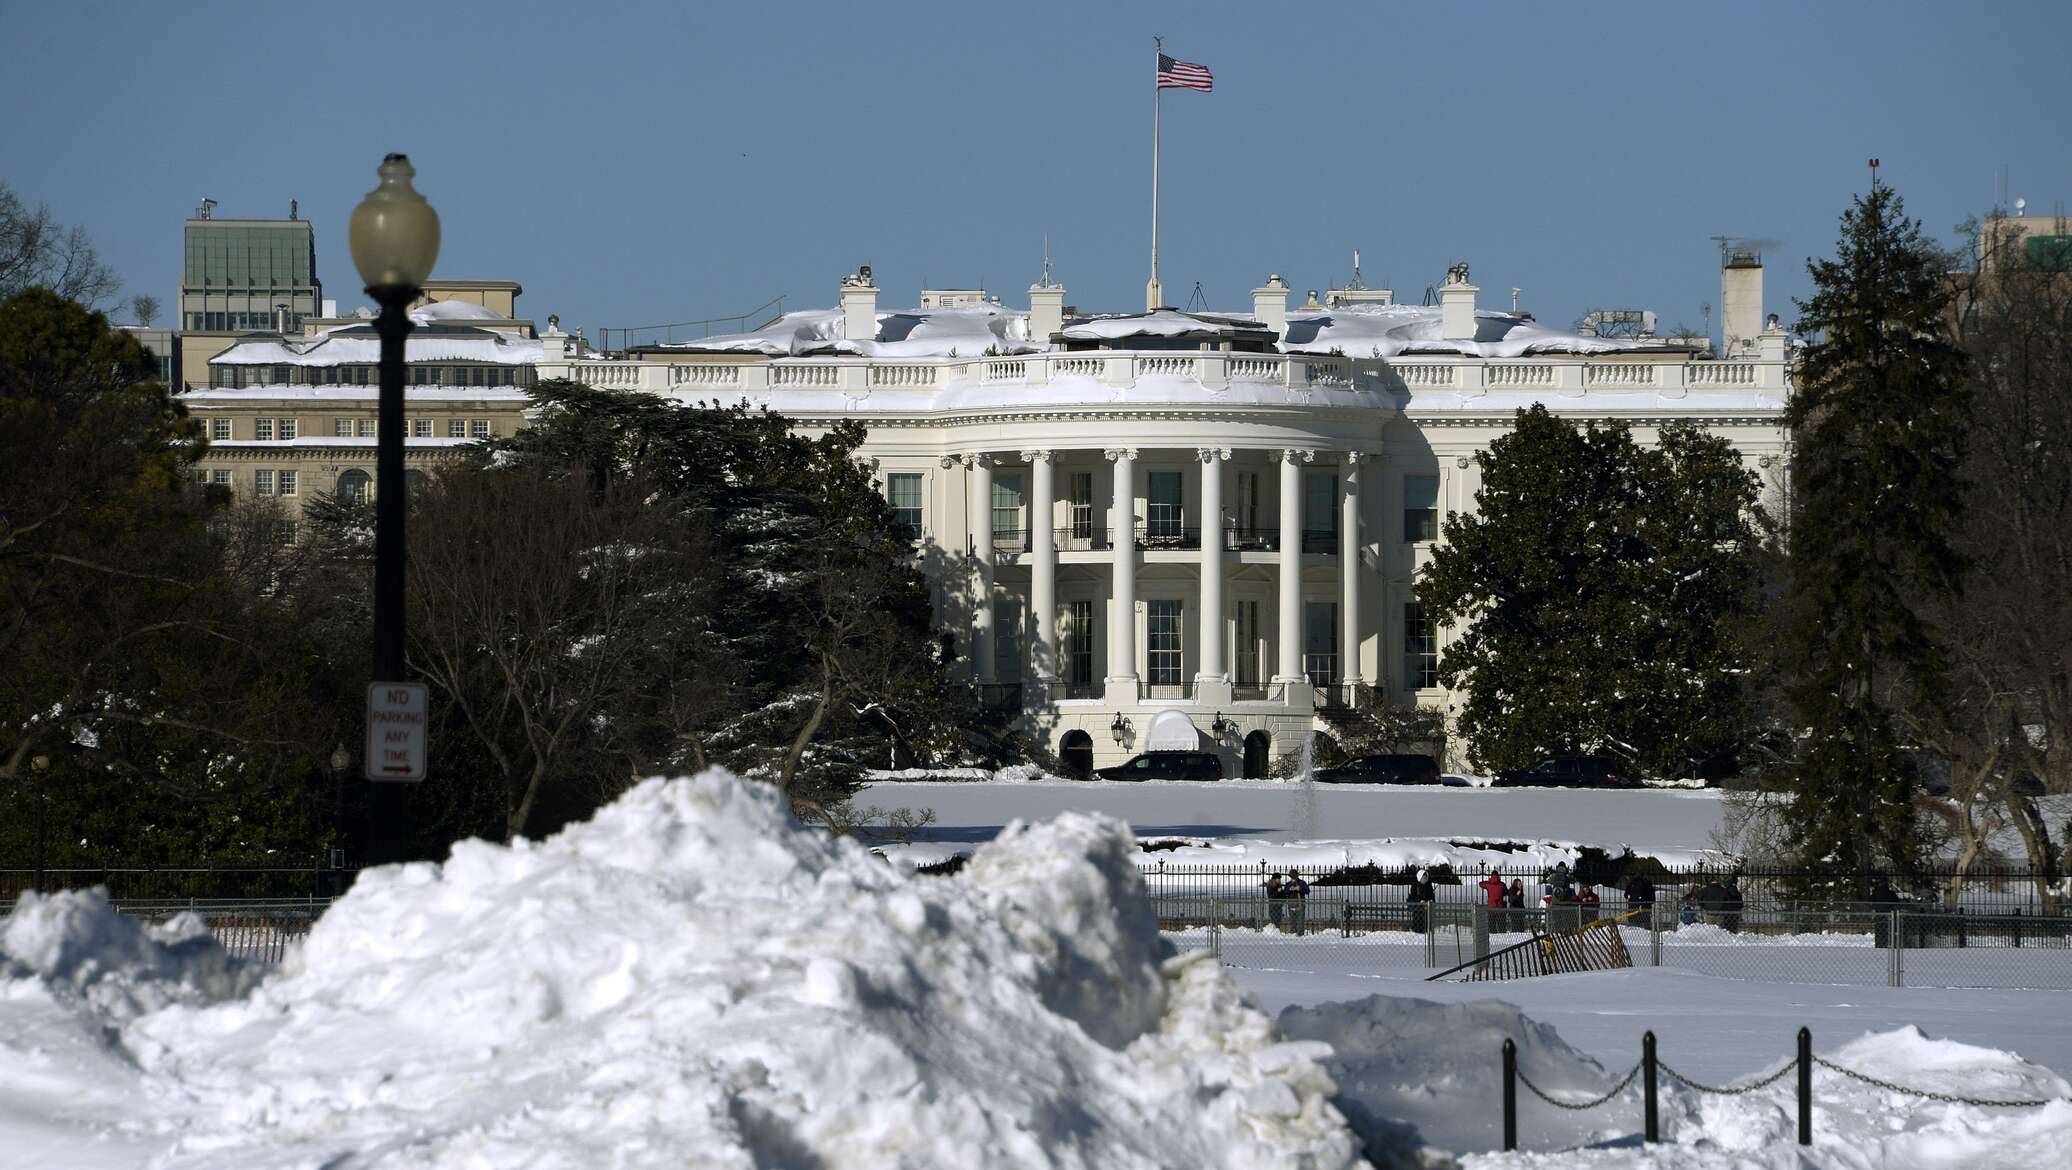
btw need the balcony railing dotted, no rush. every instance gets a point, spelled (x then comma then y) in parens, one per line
(1085, 690)
(1000, 696)
(1259, 693)
(1341, 696)
(1168, 691)
(1252, 539)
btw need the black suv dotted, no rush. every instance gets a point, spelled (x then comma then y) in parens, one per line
(1570, 772)
(1400, 769)
(1165, 766)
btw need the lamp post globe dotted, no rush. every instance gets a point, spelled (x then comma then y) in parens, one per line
(394, 232)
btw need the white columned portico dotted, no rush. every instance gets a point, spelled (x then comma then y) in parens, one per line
(1349, 542)
(981, 465)
(1289, 639)
(1122, 626)
(1212, 680)
(1043, 570)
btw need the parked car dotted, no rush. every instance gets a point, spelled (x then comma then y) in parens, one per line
(1395, 769)
(1165, 766)
(1570, 772)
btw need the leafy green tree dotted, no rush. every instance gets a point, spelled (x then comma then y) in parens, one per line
(1879, 413)
(1598, 587)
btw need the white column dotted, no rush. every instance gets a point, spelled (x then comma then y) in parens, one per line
(1043, 570)
(1122, 625)
(1290, 636)
(981, 466)
(1349, 543)
(1212, 669)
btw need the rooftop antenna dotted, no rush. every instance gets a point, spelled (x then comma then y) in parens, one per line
(1046, 282)
(1705, 315)
(1196, 301)
(1514, 299)
(1356, 270)
(1723, 242)
(207, 206)
(294, 209)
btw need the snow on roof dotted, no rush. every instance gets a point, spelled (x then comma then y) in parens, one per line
(1157, 323)
(968, 331)
(455, 311)
(359, 345)
(1391, 330)
(224, 395)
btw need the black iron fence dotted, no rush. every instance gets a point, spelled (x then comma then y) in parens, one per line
(184, 884)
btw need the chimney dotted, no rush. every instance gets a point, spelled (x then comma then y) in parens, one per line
(1046, 311)
(1740, 302)
(1270, 304)
(1457, 305)
(860, 306)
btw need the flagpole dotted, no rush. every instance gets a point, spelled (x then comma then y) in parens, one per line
(1154, 295)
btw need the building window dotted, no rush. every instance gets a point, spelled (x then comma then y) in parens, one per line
(1081, 496)
(1007, 510)
(353, 486)
(1162, 516)
(1007, 639)
(287, 428)
(1420, 508)
(1320, 642)
(283, 375)
(1247, 512)
(284, 531)
(1247, 644)
(1420, 649)
(1162, 643)
(1320, 513)
(262, 482)
(423, 375)
(287, 480)
(903, 491)
(1079, 643)
(220, 476)
(262, 429)
(456, 428)
(219, 428)
(360, 375)
(341, 428)
(420, 428)
(478, 428)
(364, 428)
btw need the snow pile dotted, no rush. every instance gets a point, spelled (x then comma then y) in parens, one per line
(907, 333)
(692, 979)
(1413, 1073)
(115, 967)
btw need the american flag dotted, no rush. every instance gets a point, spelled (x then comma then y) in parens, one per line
(1183, 75)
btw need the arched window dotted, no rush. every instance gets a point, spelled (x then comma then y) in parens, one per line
(414, 482)
(1258, 745)
(354, 486)
(1076, 751)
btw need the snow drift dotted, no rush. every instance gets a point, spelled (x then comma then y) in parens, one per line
(687, 979)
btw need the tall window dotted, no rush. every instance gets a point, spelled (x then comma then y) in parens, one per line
(903, 491)
(1420, 508)
(353, 485)
(1247, 643)
(1007, 509)
(1320, 642)
(262, 482)
(456, 428)
(287, 428)
(1162, 505)
(287, 482)
(262, 429)
(219, 428)
(1420, 649)
(1162, 641)
(365, 428)
(478, 428)
(1082, 506)
(341, 428)
(1079, 643)
(1007, 639)
(1320, 504)
(420, 428)
(1247, 512)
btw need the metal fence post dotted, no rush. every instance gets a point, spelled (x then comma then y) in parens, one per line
(1805, 1086)
(1655, 933)
(1431, 934)
(1895, 972)
(1510, 1095)
(1647, 1073)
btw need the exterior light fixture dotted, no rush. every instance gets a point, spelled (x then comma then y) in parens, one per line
(1120, 729)
(394, 232)
(1222, 727)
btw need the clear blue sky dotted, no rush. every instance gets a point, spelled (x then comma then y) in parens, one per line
(658, 162)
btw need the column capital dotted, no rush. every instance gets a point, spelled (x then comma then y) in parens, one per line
(1033, 457)
(1354, 458)
(1294, 455)
(1114, 453)
(949, 461)
(1212, 454)
(977, 458)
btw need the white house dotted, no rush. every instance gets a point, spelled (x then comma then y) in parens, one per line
(1214, 515)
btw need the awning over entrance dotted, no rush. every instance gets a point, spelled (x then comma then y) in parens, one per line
(1171, 731)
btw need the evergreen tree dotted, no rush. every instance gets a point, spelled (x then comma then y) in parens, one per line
(1878, 413)
(1600, 584)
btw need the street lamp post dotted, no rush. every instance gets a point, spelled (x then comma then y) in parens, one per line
(395, 241)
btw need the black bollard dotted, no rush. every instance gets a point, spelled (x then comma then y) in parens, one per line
(1805, 1086)
(1647, 1073)
(1510, 1095)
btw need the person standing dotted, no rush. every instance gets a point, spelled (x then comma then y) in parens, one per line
(1273, 899)
(1492, 888)
(1587, 903)
(1514, 901)
(1420, 899)
(1296, 891)
(1640, 895)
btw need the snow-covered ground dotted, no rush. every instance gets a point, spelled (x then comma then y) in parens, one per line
(692, 980)
(1244, 822)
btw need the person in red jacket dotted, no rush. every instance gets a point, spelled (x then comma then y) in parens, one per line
(1493, 890)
